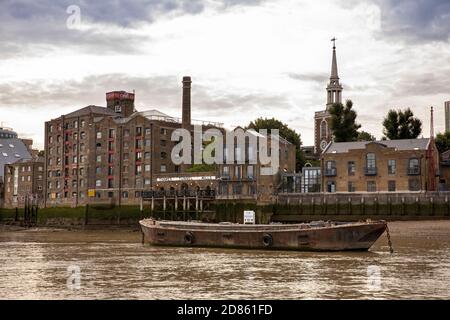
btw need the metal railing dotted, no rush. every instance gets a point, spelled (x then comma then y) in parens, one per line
(178, 193)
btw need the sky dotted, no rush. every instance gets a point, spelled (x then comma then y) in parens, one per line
(247, 58)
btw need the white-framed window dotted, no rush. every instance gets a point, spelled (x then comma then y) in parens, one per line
(99, 135)
(98, 183)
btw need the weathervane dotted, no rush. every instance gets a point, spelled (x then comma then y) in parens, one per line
(334, 42)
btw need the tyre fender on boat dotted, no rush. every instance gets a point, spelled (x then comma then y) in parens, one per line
(189, 237)
(267, 240)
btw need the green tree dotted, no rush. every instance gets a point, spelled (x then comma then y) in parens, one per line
(289, 134)
(400, 124)
(365, 136)
(343, 122)
(443, 141)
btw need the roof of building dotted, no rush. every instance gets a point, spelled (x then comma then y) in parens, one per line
(91, 110)
(406, 144)
(11, 151)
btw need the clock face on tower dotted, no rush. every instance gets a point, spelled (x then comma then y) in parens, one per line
(323, 145)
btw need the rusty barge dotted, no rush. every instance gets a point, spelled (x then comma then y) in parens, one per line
(314, 236)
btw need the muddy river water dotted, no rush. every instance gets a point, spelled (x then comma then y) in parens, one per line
(113, 264)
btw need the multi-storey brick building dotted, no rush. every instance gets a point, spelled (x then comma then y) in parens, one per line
(24, 181)
(110, 155)
(246, 178)
(380, 166)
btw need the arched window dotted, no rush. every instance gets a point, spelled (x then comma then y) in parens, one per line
(323, 129)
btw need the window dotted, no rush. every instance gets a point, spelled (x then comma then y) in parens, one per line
(118, 109)
(163, 155)
(391, 186)
(138, 156)
(98, 183)
(110, 171)
(82, 147)
(147, 155)
(147, 182)
(126, 156)
(147, 168)
(98, 170)
(414, 185)
(351, 168)
(125, 194)
(414, 166)
(50, 128)
(82, 135)
(75, 159)
(392, 167)
(250, 172)
(126, 133)
(238, 172)
(371, 164)
(74, 183)
(147, 142)
(82, 159)
(110, 183)
(371, 160)
(331, 186)
(163, 168)
(371, 186)
(110, 158)
(138, 144)
(330, 168)
(351, 186)
(163, 131)
(110, 145)
(75, 124)
(147, 131)
(50, 139)
(226, 171)
(99, 158)
(323, 129)
(163, 143)
(99, 135)
(138, 131)
(138, 169)
(81, 183)
(81, 171)
(237, 189)
(83, 123)
(112, 133)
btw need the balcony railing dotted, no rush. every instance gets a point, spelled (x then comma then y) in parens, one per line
(414, 171)
(178, 193)
(330, 172)
(371, 171)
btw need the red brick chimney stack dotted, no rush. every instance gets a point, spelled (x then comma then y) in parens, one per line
(186, 103)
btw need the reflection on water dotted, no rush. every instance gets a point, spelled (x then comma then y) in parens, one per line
(114, 264)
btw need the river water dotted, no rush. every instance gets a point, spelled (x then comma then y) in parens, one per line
(112, 264)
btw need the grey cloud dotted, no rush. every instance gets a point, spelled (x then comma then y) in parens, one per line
(27, 25)
(162, 93)
(419, 20)
(320, 78)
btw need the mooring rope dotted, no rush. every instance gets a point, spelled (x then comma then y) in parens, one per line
(391, 249)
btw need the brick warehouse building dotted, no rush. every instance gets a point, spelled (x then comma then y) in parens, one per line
(24, 180)
(380, 166)
(109, 155)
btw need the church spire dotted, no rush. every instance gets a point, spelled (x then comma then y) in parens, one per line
(334, 69)
(334, 88)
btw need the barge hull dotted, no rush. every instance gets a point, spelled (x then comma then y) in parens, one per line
(346, 237)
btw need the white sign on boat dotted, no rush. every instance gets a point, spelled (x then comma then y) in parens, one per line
(249, 217)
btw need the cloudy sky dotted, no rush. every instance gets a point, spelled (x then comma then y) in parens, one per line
(247, 58)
